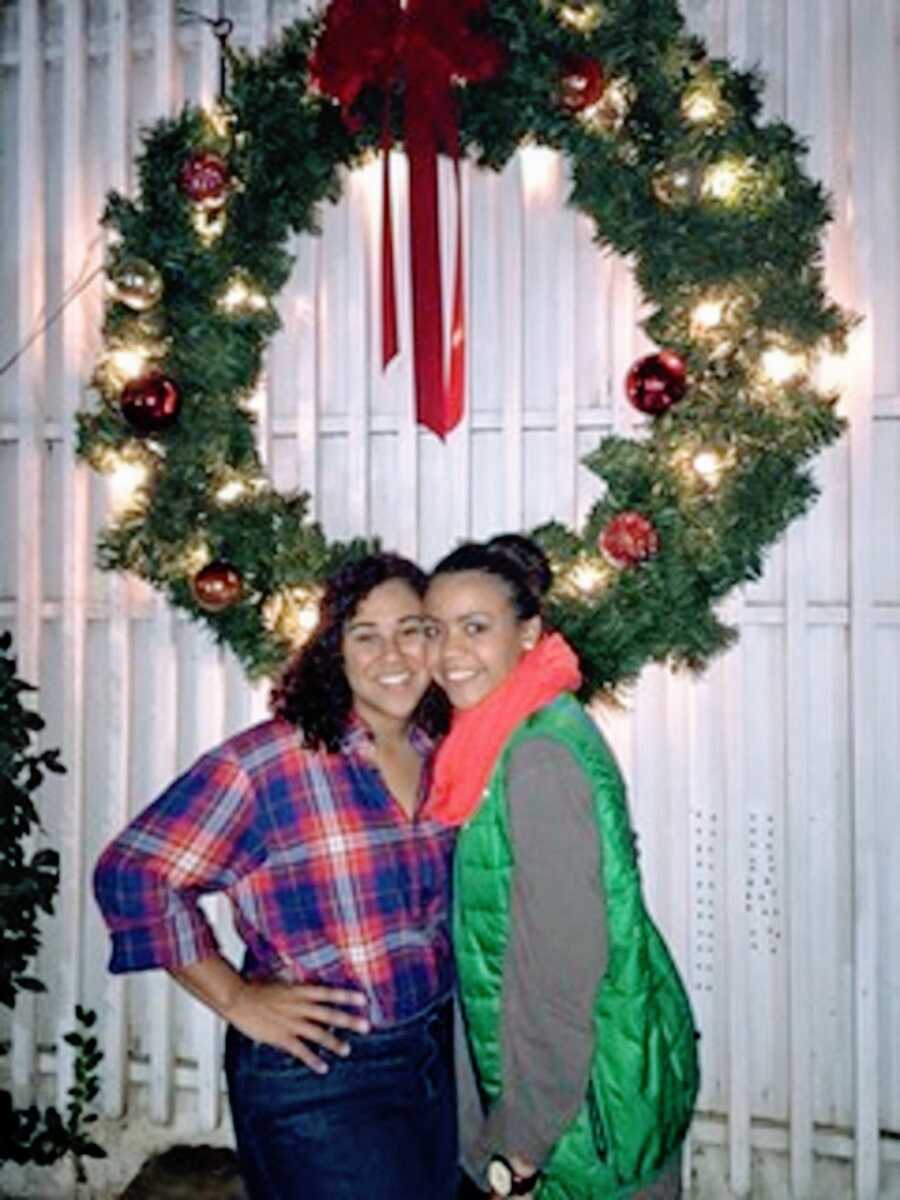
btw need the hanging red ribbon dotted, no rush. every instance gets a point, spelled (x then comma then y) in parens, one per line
(425, 46)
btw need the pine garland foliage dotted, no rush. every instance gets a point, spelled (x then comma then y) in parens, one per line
(755, 243)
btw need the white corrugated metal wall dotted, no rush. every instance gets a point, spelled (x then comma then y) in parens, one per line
(763, 793)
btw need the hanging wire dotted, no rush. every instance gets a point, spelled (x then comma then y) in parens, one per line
(79, 284)
(222, 28)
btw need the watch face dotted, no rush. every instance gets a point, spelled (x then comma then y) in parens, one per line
(500, 1177)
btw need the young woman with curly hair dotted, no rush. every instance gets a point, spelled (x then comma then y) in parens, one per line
(338, 1052)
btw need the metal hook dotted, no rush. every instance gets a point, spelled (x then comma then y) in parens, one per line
(222, 28)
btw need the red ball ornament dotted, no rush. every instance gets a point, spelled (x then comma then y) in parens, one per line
(582, 83)
(628, 539)
(217, 586)
(151, 403)
(656, 382)
(205, 178)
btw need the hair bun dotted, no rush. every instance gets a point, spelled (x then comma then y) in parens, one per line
(527, 557)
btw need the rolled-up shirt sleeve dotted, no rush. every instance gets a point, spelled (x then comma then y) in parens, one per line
(198, 837)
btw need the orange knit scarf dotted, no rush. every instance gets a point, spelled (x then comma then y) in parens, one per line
(467, 755)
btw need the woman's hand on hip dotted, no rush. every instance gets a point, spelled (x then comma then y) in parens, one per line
(294, 1017)
(297, 1017)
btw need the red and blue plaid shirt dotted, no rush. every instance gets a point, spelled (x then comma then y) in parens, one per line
(329, 880)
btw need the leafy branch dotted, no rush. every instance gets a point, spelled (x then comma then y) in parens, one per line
(28, 887)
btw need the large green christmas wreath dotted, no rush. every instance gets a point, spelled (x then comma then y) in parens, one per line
(673, 166)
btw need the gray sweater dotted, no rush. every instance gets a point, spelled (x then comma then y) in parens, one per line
(556, 957)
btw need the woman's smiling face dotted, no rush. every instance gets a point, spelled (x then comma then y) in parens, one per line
(383, 648)
(475, 637)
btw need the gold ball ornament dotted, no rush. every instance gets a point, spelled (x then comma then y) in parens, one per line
(135, 283)
(678, 183)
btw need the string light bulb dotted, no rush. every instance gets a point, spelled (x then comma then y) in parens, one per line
(607, 115)
(195, 555)
(231, 491)
(709, 465)
(241, 298)
(308, 613)
(292, 613)
(119, 365)
(126, 479)
(220, 119)
(718, 322)
(588, 578)
(580, 17)
(209, 224)
(702, 103)
(237, 486)
(583, 578)
(707, 316)
(128, 362)
(723, 181)
(781, 365)
(540, 167)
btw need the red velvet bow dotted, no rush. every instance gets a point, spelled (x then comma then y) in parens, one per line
(426, 46)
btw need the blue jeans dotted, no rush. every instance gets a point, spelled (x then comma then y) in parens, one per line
(381, 1125)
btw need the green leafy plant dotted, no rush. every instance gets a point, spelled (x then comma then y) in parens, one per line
(29, 883)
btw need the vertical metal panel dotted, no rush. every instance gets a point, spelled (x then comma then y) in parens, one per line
(804, 49)
(164, 57)
(209, 711)
(396, 383)
(76, 553)
(459, 443)
(680, 697)
(301, 320)
(259, 25)
(738, 965)
(118, 732)
(156, 991)
(209, 55)
(162, 677)
(706, 968)
(356, 337)
(867, 43)
(512, 370)
(29, 386)
(886, 723)
(565, 383)
(201, 712)
(798, 801)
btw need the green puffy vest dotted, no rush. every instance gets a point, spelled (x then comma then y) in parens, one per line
(644, 1075)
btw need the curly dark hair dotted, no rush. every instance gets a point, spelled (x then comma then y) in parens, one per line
(313, 692)
(516, 561)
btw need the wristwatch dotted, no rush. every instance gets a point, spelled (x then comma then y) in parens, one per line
(504, 1181)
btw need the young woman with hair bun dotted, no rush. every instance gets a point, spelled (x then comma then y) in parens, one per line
(577, 1065)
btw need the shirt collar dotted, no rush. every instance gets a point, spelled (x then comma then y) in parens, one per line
(357, 735)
